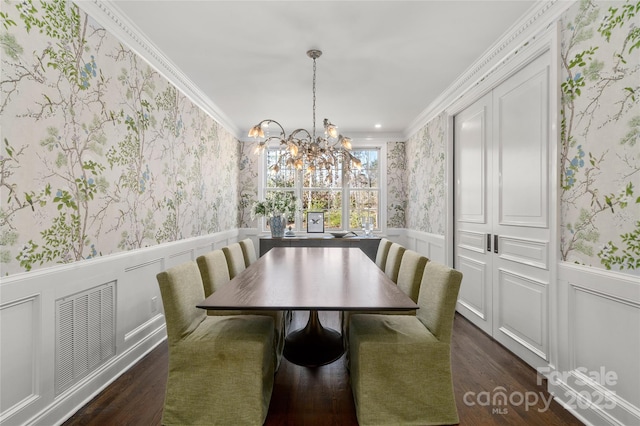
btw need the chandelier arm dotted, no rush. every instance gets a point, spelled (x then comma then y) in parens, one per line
(269, 121)
(303, 145)
(295, 132)
(271, 138)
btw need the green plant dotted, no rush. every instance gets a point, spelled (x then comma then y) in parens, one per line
(283, 202)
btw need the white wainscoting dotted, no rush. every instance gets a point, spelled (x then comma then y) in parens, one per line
(429, 245)
(598, 372)
(28, 332)
(598, 330)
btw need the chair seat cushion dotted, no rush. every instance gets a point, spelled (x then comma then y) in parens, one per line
(221, 373)
(390, 329)
(400, 372)
(345, 316)
(281, 321)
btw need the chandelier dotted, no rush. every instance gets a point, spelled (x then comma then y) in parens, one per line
(302, 148)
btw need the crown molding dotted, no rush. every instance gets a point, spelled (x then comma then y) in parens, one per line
(107, 14)
(536, 21)
(359, 137)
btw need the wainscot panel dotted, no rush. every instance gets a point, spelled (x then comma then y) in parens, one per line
(429, 245)
(19, 366)
(27, 313)
(598, 373)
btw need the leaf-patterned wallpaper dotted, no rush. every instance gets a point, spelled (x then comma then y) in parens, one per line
(247, 184)
(600, 113)
(600, 161)
(426, 201)
(396, 184)
(100, 153)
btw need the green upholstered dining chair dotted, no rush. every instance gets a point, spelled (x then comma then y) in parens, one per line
(392, 264)
(214, 271)
(383, 251)
(400, 365)
(410, 273)
(248, 251)
(409, 279)
(215, 275)
(221, 369)
(235, 259)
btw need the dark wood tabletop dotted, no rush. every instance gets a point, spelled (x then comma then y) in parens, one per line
(311, 278)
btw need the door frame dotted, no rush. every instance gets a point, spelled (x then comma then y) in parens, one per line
(518, 58)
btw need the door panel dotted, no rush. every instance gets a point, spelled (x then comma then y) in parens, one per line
(472, 255)
(527, 252)
(521, 140)
(523, 323)
(472, 153)
(501, 169)
(521, 217)
(473, 296)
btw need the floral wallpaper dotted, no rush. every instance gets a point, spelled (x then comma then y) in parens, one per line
(247, 183)
(600, 113)
(100, 154)
(600, 165)
(396, 184)
(426, 197)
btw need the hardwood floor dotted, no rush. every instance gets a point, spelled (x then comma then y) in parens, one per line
(322, 396)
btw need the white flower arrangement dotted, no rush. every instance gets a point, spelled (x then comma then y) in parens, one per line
(279, 202)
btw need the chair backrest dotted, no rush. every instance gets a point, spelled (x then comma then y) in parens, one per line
(392, 265)
(249, 251)
(383, 251)
(410, 273)
(181, 289)
(235, 259)
(437, 299)
(214, 271)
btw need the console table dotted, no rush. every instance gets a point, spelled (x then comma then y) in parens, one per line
(369, 245)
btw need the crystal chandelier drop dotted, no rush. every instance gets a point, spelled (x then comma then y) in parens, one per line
(302, 148)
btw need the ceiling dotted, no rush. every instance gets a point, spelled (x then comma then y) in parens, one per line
(383, 62)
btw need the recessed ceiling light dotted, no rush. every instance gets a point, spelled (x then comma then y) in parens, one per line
(377, 126)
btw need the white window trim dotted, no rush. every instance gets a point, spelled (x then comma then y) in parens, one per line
(356, 144)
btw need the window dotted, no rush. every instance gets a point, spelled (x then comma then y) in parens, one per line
(345, 200)
(364, 190)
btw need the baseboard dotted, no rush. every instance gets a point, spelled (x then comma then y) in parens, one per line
(67, 404)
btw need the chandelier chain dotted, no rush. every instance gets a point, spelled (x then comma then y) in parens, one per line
(301, 148)
(314, 99)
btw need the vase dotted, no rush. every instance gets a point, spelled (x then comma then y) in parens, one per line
(277, 223)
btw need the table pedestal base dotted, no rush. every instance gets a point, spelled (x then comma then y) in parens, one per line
(313, 345)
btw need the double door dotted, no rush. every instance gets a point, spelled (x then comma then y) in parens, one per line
(502, 232)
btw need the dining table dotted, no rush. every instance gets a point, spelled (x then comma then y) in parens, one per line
(311, 279)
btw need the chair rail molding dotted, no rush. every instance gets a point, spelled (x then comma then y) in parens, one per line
(30, 341)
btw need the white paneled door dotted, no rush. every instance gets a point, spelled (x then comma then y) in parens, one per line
(501, 145)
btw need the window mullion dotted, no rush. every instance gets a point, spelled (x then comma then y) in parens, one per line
(325, 197)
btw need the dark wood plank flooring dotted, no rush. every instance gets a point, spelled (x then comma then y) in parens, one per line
(322, 396)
